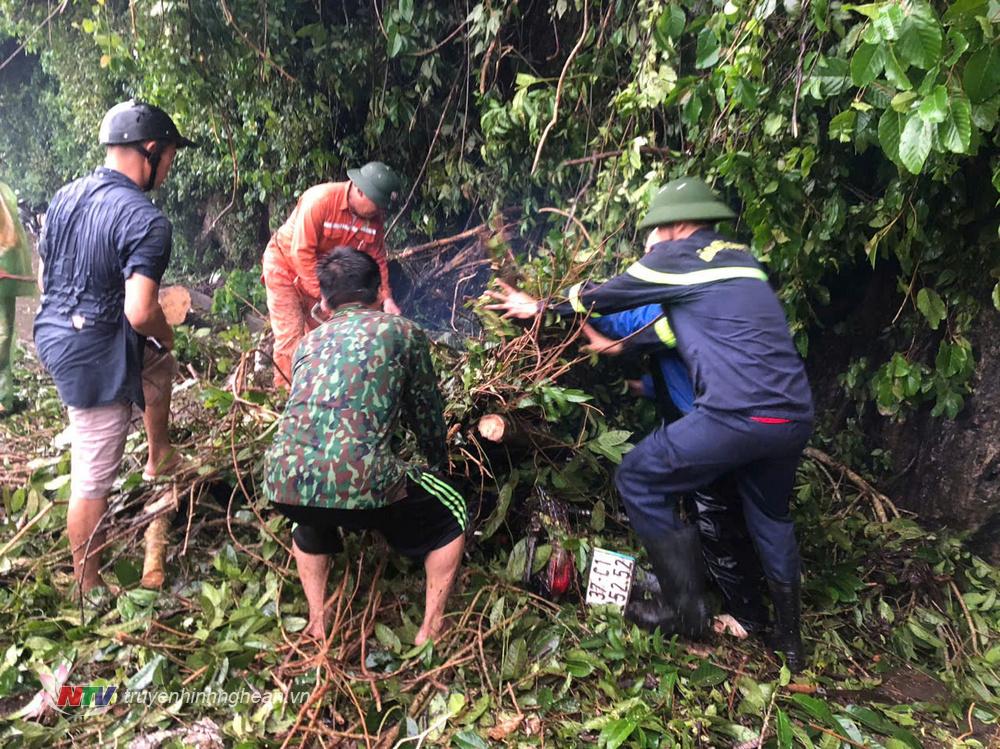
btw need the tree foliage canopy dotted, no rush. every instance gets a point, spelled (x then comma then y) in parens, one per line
(849, 134)
(858, 141)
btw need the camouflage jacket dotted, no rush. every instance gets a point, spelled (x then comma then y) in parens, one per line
(356, 380)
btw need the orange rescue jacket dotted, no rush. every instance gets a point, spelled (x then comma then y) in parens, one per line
(321, 221)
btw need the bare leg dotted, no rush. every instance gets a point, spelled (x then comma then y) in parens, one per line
(441, 567)
(314, 569)
(82, 519)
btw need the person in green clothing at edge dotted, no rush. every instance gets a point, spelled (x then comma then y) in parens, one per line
(15, 280)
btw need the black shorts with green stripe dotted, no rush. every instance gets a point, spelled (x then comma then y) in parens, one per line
(431, 516)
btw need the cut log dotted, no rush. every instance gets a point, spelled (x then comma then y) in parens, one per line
(156, 537)
(154, 563)
(183, 305)
(176, 303)
(503, 429)
(493, 427)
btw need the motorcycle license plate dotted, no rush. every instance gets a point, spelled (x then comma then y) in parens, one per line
(610, 578)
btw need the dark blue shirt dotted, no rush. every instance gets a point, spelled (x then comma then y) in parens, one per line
(730, 328)
(99, 230)
(619, 325)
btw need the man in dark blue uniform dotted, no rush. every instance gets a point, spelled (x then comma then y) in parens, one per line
(726, 546)
(753, 409)
(103, 253)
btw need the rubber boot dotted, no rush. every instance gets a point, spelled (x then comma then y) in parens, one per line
(785, 636)
(646, 582)
(649, 613)
(677, 563)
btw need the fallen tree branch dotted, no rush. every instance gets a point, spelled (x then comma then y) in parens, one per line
(878, 499)
(409, 252)
(570, 217)
(27, 527)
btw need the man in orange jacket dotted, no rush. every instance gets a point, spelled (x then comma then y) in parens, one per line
(329, 215)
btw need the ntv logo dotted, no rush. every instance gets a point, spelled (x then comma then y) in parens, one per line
(89, 696)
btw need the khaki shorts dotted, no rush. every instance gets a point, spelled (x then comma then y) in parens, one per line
(99, 433)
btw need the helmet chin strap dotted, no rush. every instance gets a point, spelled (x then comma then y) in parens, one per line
(153, 156)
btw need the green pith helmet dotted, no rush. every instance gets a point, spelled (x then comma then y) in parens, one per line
(686, 199)
(377, 181)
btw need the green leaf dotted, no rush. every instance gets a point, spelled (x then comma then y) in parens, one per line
(833, 76)
(996, 296)
(952, 358)
(816, 708)
(903, 101)
(920, 39)
(468, 739)
(783, 728)
(869, 718)
(866, 64)
(144, 676)
(915, 143)
(982, 74)
(888, 21)
(964, 10)
(958, 46)
(597, 516)
(985, 115)
(127, 573)
(394, 42)
(842, 126)
(707, 675)
(617, 732)
(934, 108)
(707, 52)
(950, 404)
(890, 128)
(895, 72)
(499, 515)
(931, 306)
(580, 663)
(517, 563)
(956, 130)
(388, 638)
(515, 659)
(669, 26)
(543, 552)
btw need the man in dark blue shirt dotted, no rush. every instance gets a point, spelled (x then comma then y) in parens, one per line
(726, 545)
(100, 331)
(753, 409)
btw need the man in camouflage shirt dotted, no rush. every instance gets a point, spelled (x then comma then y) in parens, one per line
(356, 380)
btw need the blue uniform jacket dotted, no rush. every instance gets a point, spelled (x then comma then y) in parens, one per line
(728, 324)
(623, 324)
